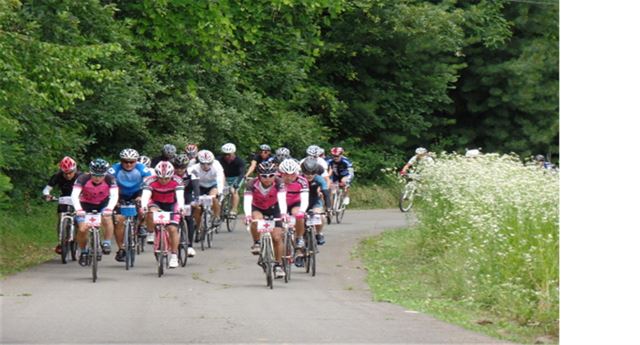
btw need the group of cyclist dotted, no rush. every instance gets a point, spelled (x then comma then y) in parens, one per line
(285, 188)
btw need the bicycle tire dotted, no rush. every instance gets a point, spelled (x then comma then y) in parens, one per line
(340, 208)
(268, 260)
(95, 246)
(312, 256)
(127, 253)
(65, 244)
(288, 255)
(160, 253)
(202, 230)
(182, 248)
(74, 249)
(210, 238)
(133, 239)
(406, 200)
(308, 233)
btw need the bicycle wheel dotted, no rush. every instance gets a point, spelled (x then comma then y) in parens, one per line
(288, 256)
(406, 199)
(182, 247)
(65, 244)
(202, 229)
(340, 208)
(210, 237)
(267, 259)
(95, 246)
(160, 254)
(312, 256)
(127, 253)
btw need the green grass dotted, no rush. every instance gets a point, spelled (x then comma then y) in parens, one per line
(27, 237)
(374, 196)
(399, 273)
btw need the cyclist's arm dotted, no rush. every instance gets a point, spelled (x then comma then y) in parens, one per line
(113, 197)
(406, 167)
(146, 195)
(304, 202)
(248, 199)
(195, 184)
(47, 190)
(252, 167)
(75, 197)
(282, 201)
(219, 176)
(180, 198)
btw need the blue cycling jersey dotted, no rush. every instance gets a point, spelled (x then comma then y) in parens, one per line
(129, 182)
(341, 168)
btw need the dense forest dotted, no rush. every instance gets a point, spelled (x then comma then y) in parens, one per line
(378, 77)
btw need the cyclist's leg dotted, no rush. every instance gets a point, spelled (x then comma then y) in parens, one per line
(215, 205)
(119, 230)
(345, 181)
(107, 227)
(149, 220)
(299, 227)
(278, 243)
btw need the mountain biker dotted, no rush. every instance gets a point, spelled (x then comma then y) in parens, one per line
(266, 196)
(211, 176)
(165, 191)
(342, 171)
(261, 156)
(282, 153)
(129, 175)
(167, 154)
(542, 163)
(420, 159)
(191, 194)
(192, 152)
(63, 179)
(233, 167)
(146, 161)
(314, 152)
(312, 171)
(96, 191)
(297, 201)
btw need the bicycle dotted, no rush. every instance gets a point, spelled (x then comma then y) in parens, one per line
(408, 193)
(226, 206)
(66, 229)
(131, 241)
(338, 208)
(94, 220)
(184, 237)
(311, 243)
(161, 244)
(206, 228)
(266, 258)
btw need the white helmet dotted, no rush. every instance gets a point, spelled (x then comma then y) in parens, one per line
(289, 166)
(129, 154)
(313, 150)
(145, 160)
(473, 153)
(164, 169)
(228, 148)
(205, 157)
(421, 151)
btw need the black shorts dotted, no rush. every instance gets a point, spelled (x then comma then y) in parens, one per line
(206, 190)
(271, 212)
(289, 207)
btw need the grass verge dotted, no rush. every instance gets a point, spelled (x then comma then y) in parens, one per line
(27, 237)
(398, 273)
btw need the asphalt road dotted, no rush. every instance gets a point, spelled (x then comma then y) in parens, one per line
(219, 297)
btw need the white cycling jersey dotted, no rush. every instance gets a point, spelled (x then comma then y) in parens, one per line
(209, 178)
(420, 162)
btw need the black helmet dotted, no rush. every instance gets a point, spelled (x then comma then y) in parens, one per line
(98, 167)
(310, 166)
(169, 151)
(180, 161)
(267, 168)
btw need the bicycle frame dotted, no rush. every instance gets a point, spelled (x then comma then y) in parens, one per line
(161, 244)
(94, 220)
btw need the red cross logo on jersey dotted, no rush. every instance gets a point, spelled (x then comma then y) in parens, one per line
(92, 219)
(161, 216)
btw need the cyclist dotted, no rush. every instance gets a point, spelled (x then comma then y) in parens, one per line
(192, 152)
(297, 201)
(314, 152)
(266, 196)
(312, 170)
(191, 194)
(211, 176)
(542, 163)
(129, 174)
(64, 179)
(282, 153)
(421, 159)
(146, 161)
(263, 155)
(165, 192)
(96, 191)
(233, 167)
(167, 154)
(342, 171)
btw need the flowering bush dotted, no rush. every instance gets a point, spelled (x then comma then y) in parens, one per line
(489, 232)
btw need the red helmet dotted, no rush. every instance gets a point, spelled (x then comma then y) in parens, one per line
(67, 164)
(337, 151)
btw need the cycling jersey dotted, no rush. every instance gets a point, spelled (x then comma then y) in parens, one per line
(214, 177)
(316, 184)
(66, 186)
(86, 192)
(258, 158)
(419, 163)
(191, 187)
(233, 167)
(129, 182)
(296, 190)
(168, 193)
(341, 168)
(265, 197)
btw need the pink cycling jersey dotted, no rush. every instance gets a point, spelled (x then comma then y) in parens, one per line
(264, 197)
(163, 193)
(299, 185)
(94, 194)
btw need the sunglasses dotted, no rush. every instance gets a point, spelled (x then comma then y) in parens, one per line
(129, 162)
(267, 175)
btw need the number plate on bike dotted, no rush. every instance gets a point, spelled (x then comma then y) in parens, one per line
(205, 200)
(161, 217)
(93, 219)
(187, 210)
(315, 219)
(266, 225)
(65, 200)
(128, 210)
